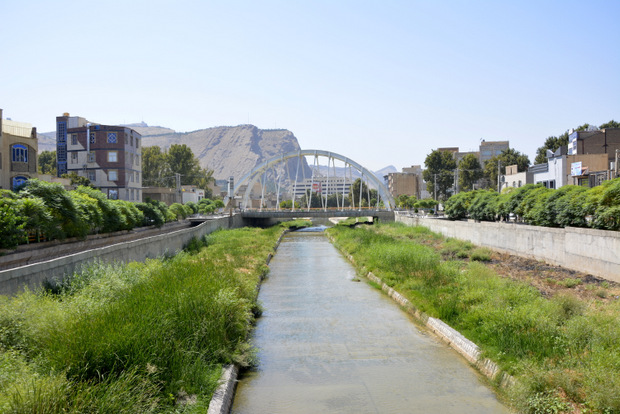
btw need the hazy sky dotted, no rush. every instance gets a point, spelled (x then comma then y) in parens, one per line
(382, 82)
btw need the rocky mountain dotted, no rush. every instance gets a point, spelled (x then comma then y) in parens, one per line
(228, 151)
(47, 141)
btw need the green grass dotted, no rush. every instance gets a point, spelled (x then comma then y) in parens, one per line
(134, 338)
(561, 350)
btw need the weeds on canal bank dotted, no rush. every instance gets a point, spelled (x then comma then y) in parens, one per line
(135, 338)
(564, 352)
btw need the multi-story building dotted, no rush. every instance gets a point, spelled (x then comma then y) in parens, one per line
(603, 141)
(18, 153)
(407, 182)
(108, 155)
(487, 150)
(323, 185)
(490, 149)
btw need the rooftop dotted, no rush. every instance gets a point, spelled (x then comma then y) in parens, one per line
(20, 129)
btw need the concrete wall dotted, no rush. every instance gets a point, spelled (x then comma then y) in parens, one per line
(32, 276)
(587, 250)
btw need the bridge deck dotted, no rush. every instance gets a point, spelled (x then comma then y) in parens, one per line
(318, 213)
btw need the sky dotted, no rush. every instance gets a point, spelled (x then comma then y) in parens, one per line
(380, 82)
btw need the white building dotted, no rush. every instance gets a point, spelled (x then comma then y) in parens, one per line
(323, 185)
(191, 193)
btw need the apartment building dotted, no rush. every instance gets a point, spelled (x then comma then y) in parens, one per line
(408, 182)
(108, 155)
(18, 153)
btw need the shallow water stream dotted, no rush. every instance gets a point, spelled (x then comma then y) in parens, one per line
(328, 344)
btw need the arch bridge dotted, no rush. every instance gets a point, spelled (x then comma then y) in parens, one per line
(333, 184)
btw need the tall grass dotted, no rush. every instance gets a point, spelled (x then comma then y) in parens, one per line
(134, 338)
(563, 351)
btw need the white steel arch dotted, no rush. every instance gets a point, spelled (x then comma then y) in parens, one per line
(254, 175)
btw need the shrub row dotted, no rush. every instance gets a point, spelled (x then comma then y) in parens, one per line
(575, 206)
(46, 211)
(138, 338)
(562, 350)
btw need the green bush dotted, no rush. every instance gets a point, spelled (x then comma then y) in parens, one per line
(569, 209)
(178, 210)
(65, 216)
(152, 214)
(457, 206)
(11, 224)
(484, 205)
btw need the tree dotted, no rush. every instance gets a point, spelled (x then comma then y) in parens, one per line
(469, 172)
(47, 162)
(78, 180)
(551, 143)
(440, 166)
(315, 200)
(368, 197)
(181, 160)
(610, 124)
(159, 168)
(507, 157)
(155, 167)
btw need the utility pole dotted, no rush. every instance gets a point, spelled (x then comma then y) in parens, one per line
(499, 190)
(435, 190)
(178, 185)
(456, 176)
(616, 163)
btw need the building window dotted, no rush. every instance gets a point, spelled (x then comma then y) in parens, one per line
(93, 137)
(92, 175)
(91, 156)
(132, 194)
(112, 156)
(519, 183)
(74, 158)
(19, 180)
(113, 194)
(111, 137)
(73, 139)
(137, 160)
(112, 175)
(62, 132)
(131, 177)
(131, 141)
(20, 153)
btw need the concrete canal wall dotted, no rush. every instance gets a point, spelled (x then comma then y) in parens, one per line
(596, 252)
(32, 276)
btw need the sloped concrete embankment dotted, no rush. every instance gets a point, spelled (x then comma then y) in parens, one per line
(586, 250)
(34, 275)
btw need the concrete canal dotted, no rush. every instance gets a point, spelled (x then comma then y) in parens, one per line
(330, 345)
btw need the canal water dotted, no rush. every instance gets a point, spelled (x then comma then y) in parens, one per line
(329, 344)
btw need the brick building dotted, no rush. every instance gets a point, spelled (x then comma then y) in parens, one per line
(18, 153)
(110, 158)
(408, 182)
(602, 141)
